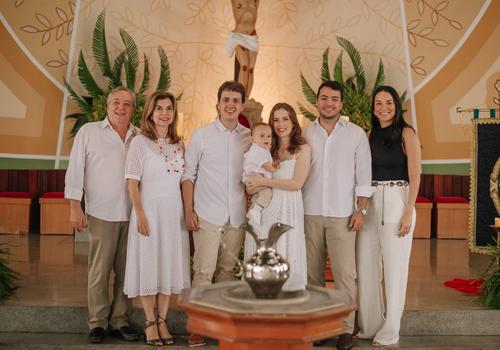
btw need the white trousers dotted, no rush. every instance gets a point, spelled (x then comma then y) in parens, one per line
(379, 248)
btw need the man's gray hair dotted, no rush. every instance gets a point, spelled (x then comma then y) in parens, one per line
(121, 88)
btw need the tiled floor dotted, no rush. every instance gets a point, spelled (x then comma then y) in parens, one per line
(54, 272)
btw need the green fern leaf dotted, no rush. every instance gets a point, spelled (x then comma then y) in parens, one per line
(337, 70)
(99, 47)
(307, 90)
(349, 83)
(145, 80)
(356, 62)
(325, 70)
(306, 113)
(132, 60)
(117, 70)
(380, 79)
(84, 106)
(164, 80)
(86, 77)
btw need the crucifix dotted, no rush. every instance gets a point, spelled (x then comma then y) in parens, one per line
(243, 41)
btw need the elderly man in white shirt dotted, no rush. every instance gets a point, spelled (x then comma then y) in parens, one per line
(340, 171)
(97, 170)
(213, 193)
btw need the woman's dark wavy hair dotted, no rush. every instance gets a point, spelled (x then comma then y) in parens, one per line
(296, 138)
(398, 123)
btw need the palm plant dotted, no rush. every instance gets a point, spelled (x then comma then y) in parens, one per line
(8, 277)
(93, 104)
(357, 97)
(491, 286)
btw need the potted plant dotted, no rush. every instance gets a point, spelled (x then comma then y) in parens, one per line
(357, 97)
(92, 104)
(490, 296)
(8, 277)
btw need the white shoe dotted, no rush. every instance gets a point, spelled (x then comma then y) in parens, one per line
(254, 216)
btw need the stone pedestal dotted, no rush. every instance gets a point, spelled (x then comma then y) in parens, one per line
(229, 312)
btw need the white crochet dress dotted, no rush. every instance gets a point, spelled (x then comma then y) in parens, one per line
(286, 207)
(158, 263)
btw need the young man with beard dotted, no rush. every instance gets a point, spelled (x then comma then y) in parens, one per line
(213, 193)
(340, 171)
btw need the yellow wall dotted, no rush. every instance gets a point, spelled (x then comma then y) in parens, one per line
(442, 51)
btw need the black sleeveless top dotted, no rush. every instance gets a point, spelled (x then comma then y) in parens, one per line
(388, 161)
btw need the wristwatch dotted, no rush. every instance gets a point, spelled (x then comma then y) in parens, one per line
(362, 211)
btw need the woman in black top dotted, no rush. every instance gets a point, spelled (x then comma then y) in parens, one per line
(384, 244)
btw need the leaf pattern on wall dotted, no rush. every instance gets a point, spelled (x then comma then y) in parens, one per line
(417, 29)
(49, 30)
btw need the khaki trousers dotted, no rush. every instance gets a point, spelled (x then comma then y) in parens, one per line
(215, 252)
(263, 197)
(107, 252)
(331, 234)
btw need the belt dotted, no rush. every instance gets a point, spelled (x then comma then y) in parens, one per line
(401, 183)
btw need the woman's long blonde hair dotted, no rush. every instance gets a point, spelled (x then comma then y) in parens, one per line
(147, 125)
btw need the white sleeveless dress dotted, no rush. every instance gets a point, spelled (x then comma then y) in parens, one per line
(158, 263)
(285, 207)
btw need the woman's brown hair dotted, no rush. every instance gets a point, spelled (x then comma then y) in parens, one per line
(147, 125)
(296, 138)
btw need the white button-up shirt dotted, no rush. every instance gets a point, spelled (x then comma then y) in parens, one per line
(97, 169)
(341, 169)
(214, 163)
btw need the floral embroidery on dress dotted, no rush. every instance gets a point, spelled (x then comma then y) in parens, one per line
(172, 154)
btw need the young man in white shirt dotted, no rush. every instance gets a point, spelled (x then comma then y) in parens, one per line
(97, 170)
(340, 171)
(213, 193)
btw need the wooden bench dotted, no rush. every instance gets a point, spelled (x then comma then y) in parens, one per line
(15, 212)
(423, 208)
(452, 217)
(54, 214)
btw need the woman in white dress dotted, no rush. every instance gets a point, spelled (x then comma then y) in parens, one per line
(294, 156)
(158, 244)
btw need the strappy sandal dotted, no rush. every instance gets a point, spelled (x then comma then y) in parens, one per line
(166, 341)
(152, 342)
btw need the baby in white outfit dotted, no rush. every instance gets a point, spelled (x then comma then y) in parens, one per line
(258, 160)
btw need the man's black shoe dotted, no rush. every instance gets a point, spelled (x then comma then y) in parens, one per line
(345, 341)
(124, 333)
(96, 335)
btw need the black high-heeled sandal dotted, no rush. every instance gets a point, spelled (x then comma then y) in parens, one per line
(152, 342)
(166, 341)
